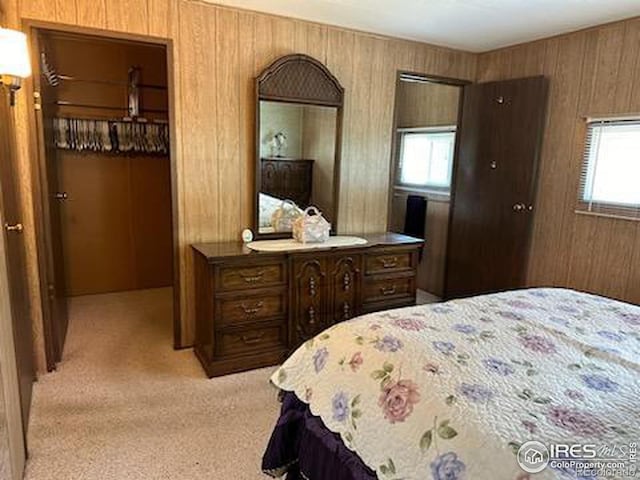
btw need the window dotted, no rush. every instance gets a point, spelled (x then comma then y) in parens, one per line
(426, 157)
(610, 181)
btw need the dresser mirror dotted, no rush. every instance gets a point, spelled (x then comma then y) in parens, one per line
(298, 130)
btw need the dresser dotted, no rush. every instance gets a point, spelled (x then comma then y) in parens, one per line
(287, 179)
(254, 308)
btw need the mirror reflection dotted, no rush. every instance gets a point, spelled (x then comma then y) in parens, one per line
(297, 145)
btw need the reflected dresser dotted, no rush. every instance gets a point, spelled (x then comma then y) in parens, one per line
(254, 308)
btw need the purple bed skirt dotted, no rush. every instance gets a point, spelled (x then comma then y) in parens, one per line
(303, 448)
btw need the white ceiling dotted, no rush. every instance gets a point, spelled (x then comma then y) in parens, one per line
(473, 25)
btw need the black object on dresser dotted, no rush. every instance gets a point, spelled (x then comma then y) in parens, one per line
(254, 308)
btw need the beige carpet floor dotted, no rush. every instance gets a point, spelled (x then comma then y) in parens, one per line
(124, 405)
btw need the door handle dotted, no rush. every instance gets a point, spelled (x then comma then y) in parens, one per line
(61, 195)
(18, 227)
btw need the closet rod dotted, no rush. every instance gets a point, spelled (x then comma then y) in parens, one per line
(108, 82)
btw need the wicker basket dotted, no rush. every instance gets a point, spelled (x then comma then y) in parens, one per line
(284, 216)
(311, 228)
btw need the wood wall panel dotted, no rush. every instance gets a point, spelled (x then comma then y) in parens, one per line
(343, 68)
(247, 112)
(160, 14)
(217, 52)
(228, 104)
(129, 16)
(592, 72)
(92, 13)
(312, 40)
(65, 11)
(38, 9)
(427, 105)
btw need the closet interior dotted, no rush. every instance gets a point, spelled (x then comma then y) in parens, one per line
(104, 112)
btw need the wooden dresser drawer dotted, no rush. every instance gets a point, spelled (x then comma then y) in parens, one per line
(251, 339)
(384, 288)
(243, 309)
(236, 277)
(385, 262)
(252, 309)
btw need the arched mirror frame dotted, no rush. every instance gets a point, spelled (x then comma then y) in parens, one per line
(300, 79)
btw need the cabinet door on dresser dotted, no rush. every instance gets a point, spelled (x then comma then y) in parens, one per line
(345, 274)
(309, 310)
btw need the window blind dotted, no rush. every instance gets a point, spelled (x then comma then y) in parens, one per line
(610, 177)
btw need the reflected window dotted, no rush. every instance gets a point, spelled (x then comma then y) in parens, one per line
(426, 157)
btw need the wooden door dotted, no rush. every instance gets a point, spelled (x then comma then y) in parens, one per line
(56, 315)
(494, 186)
(16, 259)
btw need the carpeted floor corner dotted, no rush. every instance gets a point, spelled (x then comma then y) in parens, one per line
(124, 405)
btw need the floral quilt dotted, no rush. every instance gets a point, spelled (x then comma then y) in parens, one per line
(450, 391)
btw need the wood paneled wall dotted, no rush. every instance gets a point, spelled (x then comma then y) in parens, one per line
(217, 52)
(427, 104)
(592, 72)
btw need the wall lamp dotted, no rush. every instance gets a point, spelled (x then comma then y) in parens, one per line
(14, 60)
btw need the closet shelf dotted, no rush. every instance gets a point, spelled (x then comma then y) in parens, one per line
(68, 78)
(63, 103)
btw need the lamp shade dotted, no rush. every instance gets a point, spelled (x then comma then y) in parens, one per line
(14, 54)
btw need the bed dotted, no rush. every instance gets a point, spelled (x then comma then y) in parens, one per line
(267, 205)
(452, 390)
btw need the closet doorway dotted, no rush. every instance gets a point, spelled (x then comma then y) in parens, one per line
(425, 132)
(105, 172)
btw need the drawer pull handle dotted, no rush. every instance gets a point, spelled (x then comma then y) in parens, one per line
(389, 262)
(252, 278)
(252, 340)
(252, 310)
(386, 291)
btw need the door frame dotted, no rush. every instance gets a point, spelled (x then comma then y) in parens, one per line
(455, 82)
(43, 235)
